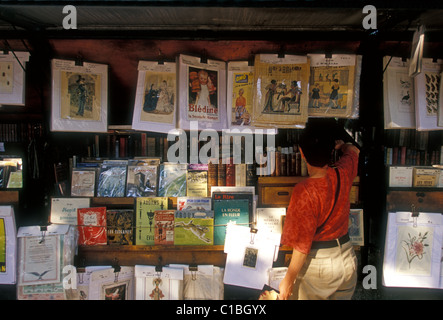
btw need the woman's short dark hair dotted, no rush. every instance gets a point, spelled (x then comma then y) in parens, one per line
(317, 143)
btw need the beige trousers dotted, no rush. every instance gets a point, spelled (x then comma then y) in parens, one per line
(328, 274)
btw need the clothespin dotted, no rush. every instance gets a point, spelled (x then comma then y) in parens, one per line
(251, 60)
(79, 60)
(193, 268)
(281, 53)
(204, 57)
(161, 59)
(43, 230)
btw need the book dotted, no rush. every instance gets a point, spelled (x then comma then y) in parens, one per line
(145, 208)
(212, 174)
(83, 182)
(197, 180)
(194, 203)
(142, 181)
(92, 226)
(64, 210)
(194, 227)
(8, 243)
(230, 207)
(164, 227)
(172, 180)
(221, 174)
(230, 173)
(269, 219)
(111, 180)
(120, 226)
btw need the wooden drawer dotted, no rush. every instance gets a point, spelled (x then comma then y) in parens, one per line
(276, 196)
(276, 191)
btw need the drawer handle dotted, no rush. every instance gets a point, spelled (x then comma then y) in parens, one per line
(283, 193)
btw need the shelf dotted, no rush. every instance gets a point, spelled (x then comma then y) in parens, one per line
(155, 255)
(9, 197)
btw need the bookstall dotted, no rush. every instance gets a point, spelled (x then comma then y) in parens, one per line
(159, 148)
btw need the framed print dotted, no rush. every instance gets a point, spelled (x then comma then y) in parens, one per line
(280, 97)
(202, 93)
(331, 85)
(79, 97)
(398, 94)
(12, 78)
(427, 86)
(156, 96)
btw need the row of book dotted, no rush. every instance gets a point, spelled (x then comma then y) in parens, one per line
(412, 157)
(153, 221)
(282, 161)
(20, 132)
(143, 177)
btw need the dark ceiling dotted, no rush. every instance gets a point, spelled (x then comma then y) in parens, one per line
(204, 19)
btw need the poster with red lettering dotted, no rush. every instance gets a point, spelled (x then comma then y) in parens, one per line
(202, 94)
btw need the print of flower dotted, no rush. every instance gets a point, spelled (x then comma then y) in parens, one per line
(415, 247)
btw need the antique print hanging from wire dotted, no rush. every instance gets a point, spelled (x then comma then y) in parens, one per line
(250, 257)
(281, 85)
(331, 85)
(398, 94)
(155, 102)
(79, 96)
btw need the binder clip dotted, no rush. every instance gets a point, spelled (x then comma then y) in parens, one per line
(161, 60)
(253, 233)
(43, 230)
(204, 57)
(158, 267)
(117, 269)
(281, 52)
(193, 268)
(79, 60)
(251, 60)
(414, 216)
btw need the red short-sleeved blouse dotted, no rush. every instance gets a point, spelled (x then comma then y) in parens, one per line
(311, 202)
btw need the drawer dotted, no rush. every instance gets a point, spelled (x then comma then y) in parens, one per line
(275, 196)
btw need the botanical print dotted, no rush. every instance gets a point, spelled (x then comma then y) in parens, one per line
(414, 250)
(432, 87)
(159, 97)
(80, 96)
(6, 77)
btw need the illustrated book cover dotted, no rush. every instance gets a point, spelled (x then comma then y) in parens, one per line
(111, 180)
(83, 182)
(145, 208)
(270, 219)
(172, 179)
(230, 208)
(194, 227)
(164, 227)
(142, 181)
(120, 226)
(156, 97)
(197, 180)
(92, 226)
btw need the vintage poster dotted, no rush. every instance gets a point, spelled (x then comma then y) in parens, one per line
(202, 89)
(79, 96)
(281, 91)
(12, 77)
(427, 86)
(240, 93)
(156, 97)
(398, 94)
(152, 284)
(331, 85)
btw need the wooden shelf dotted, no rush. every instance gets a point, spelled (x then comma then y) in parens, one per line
(156, 255)
(9, 197)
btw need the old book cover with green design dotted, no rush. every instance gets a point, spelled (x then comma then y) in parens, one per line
(194, 227)
(145, 218)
